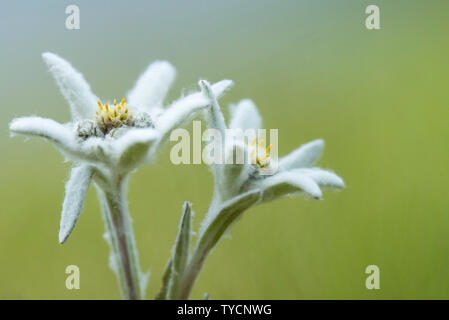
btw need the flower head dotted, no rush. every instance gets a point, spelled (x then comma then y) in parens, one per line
(259, 155)
(294, 174)
(109, 140)
(116, 116)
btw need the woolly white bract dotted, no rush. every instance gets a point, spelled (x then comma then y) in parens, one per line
(105, 155)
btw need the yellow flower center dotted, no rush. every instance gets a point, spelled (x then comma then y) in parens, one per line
(110, 117)
(258, 155)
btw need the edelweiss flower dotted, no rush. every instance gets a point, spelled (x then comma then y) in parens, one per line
(109, 140)
(240, 185)
(295, 174)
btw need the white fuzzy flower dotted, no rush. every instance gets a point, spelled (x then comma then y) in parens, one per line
(295, 174)
(239, 185)
(110, 140)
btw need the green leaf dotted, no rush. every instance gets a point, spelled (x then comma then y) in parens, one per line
(180, 254)
(162, 294)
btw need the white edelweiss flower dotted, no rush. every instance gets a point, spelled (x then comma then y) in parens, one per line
(110, 140)
(295, 174)
(239, 185)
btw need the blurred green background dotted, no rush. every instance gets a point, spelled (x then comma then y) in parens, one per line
(378, 98)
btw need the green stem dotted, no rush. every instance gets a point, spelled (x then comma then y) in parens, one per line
(119, 228)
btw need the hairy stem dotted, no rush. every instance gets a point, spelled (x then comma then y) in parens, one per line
(119, 229)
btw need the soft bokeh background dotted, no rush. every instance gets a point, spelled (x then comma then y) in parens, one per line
(378, 98)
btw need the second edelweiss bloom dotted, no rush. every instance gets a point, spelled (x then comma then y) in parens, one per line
(239, 185)
(294, 175)
(110, 139)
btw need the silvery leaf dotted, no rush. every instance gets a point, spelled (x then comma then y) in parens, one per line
(75, 194)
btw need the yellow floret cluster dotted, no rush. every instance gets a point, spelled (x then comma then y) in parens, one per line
(258, 155)
(110, 117)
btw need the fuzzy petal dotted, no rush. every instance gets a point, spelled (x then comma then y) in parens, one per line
(214, 118)
(303, 157)
(245, 115)
(230, 176)
(221, 87)
(62, 137)
(93, 150)
(73, 87)
(49, 129)
(152, 86)
(324, 178)
(75, 193)
(287, 182)
(184, 109)
(308, 180)
(129, 150)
